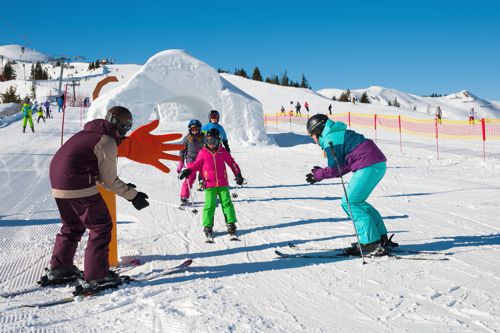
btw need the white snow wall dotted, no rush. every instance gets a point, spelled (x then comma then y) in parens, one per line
(175, 77)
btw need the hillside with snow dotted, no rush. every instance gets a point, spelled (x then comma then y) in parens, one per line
(453, 106)
(448, 206)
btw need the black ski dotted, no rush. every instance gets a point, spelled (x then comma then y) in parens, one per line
(394, 250)
(337, 253)
(144, 278)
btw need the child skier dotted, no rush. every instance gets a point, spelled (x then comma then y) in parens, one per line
(211, 161)
(40, 114)
(353, 152)
(27, 115)
(193, 142)
(213, 122)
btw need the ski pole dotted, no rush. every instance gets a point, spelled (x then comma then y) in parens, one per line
(347, 200)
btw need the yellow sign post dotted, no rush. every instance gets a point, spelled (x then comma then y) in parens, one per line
(110, 199)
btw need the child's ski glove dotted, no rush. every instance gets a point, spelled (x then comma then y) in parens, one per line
(239, 179)
(185, 173)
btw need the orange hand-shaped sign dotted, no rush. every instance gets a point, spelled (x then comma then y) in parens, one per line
(143, 147)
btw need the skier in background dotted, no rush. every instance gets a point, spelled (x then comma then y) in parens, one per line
(60, 103)
(330, 109)
(46, 105)
(472, 115)
(439, 115)
(27, 114)
(87, 158)
(211, 161)
(40, 114)
(306, 105)
(297, 109)
(193, 142)
(367, 162)
(283, 110)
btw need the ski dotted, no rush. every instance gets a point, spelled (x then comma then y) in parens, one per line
(331, 254)
(394, 250)
(125, 279)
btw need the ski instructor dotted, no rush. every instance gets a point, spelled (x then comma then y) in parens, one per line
(350, 151)
(87, 158)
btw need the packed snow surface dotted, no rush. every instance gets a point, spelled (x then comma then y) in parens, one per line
(448, 205)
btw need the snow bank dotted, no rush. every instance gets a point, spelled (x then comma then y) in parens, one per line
(174, 86)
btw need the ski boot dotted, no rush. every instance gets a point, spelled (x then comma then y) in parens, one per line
(231, 230)
(56, 276)
(184, 203)
(24, 129)
(387, 242)
(91, 287)
(209, 234)
(374, 249)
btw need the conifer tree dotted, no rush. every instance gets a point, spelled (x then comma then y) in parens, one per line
(304, 83)
(10, 95)
(285, 81)
(364, 98)
(345, 96)
(256, 74)
(8, 72)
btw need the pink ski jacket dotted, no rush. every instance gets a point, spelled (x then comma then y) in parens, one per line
(213, 166)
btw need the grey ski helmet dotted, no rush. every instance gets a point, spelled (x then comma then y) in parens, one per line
(121, 117)
(316, 124)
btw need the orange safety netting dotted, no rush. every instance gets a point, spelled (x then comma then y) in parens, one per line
(487, 129)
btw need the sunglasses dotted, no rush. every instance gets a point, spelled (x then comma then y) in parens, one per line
(212, 141)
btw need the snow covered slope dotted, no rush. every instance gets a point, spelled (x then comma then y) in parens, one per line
(454, 106)
(450, 205)
(15, 52)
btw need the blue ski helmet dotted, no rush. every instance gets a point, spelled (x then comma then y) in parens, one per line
(214, 114)
(194, 123)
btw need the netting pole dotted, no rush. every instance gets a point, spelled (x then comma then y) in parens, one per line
(375, 125)
(400, 141)
(349, 118)
(276, 122)
(291, 123)
(265, 121)
(437, 143)
(64, 112)
(483, 129)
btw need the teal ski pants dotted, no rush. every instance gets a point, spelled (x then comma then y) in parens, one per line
(367, 219)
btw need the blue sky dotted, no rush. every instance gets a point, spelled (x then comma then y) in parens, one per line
(420, 47)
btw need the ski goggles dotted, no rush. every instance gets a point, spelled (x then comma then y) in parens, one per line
(212, 141)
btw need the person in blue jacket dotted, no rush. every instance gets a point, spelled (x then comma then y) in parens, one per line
(355, 153)
(213, 122)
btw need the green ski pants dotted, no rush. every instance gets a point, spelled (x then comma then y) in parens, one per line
(211, 202)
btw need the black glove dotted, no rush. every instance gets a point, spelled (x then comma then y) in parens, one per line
(226, 145)
(140, 201)
(239, 179)
(310, 178)
(131, 185)
(184, 173)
